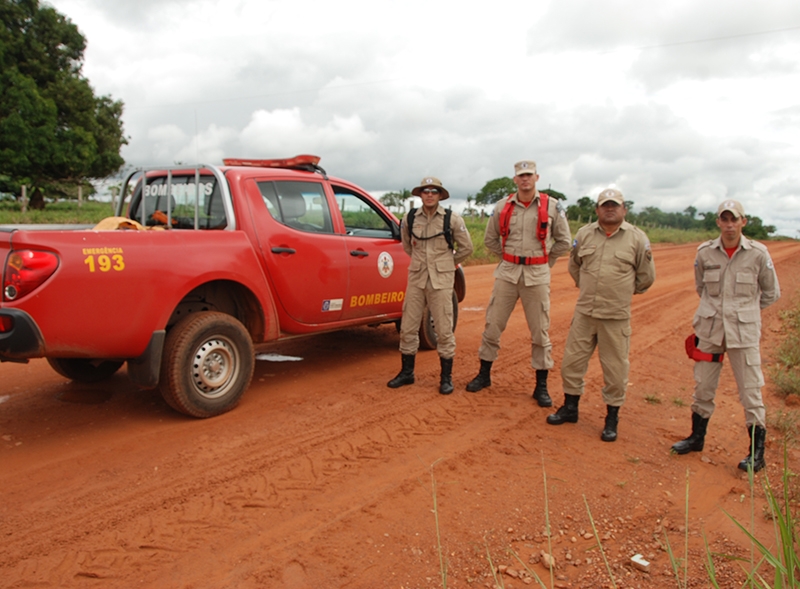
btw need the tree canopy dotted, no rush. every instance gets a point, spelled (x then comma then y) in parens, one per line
(554, 194)
(494, 190)
(396, 200)
(53, 129)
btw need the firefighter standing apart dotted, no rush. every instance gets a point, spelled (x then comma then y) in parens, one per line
(735, 279)
(610, 262)
(528, 230)
(431, 276)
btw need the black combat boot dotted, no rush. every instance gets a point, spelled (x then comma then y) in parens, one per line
(483, 379)
(567, 413)
(696, 441)
(755, 458)
(612, 419)
(540, 392)
(406, 374)
(446, 380)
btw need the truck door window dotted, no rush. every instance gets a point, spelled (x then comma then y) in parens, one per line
(361, 219)
(300, 205)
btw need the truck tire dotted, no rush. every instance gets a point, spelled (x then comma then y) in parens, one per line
(427, 331)
(207, 364)
(85, 369)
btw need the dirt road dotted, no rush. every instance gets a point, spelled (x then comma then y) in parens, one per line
(324, 477)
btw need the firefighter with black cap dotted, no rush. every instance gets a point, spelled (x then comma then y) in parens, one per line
(735, 279)
(431, 277)
(529, 231)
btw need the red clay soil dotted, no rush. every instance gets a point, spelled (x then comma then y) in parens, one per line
(324, 477)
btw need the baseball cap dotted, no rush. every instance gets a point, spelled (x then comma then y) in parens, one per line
(431, 182)
(610, 194)
(525, 167)
(734, 206)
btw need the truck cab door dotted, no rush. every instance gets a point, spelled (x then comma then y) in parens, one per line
(378, 265)
(307, 261)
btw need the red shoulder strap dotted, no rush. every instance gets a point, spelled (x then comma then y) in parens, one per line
(543, 218)
(541, 231)
(505, 219)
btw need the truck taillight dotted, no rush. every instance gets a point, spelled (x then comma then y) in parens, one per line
(25, 271)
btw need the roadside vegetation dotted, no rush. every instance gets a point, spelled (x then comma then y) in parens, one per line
(68, 212)
(481, 255)
(91, 212)
(785, 372)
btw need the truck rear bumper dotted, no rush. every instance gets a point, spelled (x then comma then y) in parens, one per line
(20, 337)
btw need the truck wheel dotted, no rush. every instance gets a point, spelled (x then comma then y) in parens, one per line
(427, 331)
(85, 369)
(207, 364)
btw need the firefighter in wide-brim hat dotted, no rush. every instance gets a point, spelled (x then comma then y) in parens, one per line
(437, 241)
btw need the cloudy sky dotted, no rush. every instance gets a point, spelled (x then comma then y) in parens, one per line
(679, 103)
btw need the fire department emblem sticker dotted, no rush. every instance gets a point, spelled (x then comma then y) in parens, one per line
(385, 264)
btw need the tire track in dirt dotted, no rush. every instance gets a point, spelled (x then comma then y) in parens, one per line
(322, 457)
(243, 479)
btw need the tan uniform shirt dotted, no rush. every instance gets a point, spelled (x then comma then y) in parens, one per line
(523, 241)
(610, 269)
(431, 258)
(733, 291)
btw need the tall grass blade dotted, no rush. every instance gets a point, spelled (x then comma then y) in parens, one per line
(547, 521)
(531, 572)
(711, 570)
(599, 544)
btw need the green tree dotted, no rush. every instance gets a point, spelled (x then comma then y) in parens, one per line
(494, 190)
(554, 193)
(755, 229)
(54, 131)
(584, 210)
(396, 200)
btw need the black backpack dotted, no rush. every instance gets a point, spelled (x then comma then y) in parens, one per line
(447, 232)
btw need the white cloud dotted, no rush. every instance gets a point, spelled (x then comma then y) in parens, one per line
(680, 103)
(283, 132)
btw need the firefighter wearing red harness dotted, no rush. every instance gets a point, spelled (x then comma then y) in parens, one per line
(735, 279)
(610, 262)
(528, 231)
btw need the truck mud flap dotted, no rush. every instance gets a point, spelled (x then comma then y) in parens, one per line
(145, 369)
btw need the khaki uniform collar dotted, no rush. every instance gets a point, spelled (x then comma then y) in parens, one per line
(744, 243)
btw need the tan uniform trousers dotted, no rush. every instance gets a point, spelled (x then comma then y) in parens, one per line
(612, 339)
(746, 366)
(535, 303)
(440, 303)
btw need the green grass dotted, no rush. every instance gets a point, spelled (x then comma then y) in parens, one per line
(786, 422)
(92, 211)
(63, 212)
(477, 228)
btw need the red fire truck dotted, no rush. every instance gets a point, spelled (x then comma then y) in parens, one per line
(219, 258)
